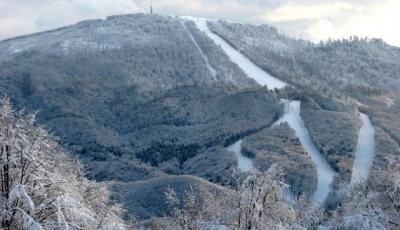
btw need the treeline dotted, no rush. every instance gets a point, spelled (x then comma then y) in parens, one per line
(160, 152)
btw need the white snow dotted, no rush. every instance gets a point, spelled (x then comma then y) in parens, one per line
(248, 67)
(205, 58)
(88, 46)
(244, 163)
(324, 171)
(364, 151)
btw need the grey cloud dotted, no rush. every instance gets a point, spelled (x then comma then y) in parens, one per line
(25, 16)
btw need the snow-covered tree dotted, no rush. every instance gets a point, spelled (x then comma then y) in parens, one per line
(369, 204)
(262, 203)
(359, 210)
(188, 214)
(43, 188)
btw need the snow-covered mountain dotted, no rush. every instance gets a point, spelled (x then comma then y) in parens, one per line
(149, 102)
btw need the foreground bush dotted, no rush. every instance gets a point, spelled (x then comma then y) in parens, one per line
(41, 187)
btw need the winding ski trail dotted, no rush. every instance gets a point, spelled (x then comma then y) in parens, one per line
(365, 145)
(324, 171)
(291, 116)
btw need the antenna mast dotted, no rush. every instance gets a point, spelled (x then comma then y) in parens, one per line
(151, 6)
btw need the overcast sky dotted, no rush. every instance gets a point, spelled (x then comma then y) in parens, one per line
(311, 19)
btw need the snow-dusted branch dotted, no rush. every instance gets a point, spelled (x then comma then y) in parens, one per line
(41, 187)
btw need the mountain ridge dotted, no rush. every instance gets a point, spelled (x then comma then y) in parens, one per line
(133, 97)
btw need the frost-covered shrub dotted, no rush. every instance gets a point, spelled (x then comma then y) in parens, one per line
(41, 187)
(262, 203)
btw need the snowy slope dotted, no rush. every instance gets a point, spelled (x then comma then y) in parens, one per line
(364, 151)
(324, 171)
(251, 70)
(292, 114)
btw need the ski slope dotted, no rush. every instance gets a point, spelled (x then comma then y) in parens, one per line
(364, 151)
(365, 145)
(324, 171)
(291, 116)
(248, 67)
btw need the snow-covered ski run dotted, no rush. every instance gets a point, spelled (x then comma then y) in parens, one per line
(324, 171)
(248, 67)
(364, 151)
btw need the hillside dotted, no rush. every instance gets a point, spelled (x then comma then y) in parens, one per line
(148, 102)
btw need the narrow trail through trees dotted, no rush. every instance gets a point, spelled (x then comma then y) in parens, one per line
(213, 72)
(248, 67)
